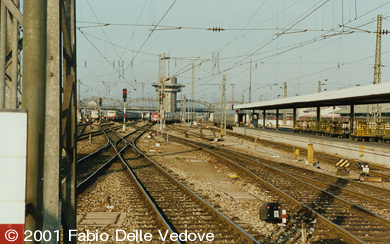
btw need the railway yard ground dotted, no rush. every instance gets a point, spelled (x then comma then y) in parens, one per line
(114, 205)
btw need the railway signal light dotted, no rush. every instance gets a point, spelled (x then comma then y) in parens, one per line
(272, 212)
(364, 167)
(124, 94)
(160, 97)
(100, 102)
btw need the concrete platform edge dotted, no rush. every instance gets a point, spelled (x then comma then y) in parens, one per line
(344, 148)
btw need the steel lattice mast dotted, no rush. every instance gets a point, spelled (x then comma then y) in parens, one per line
(376, 108)
(223, 107)
(161, 93)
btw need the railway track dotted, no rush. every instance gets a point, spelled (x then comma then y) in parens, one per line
(375, 199)
(183, 209)
(375, 170)
(177, 209)
(96, 163)
(379, 198)
(81, 128)
(99, 131)
(307, 202)
(145, 215)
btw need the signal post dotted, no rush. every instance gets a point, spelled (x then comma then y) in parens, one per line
(100, 110)
(124, 108)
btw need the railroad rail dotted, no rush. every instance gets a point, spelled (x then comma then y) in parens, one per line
(145, 214)
(177, 208)
(376, 195)
(375, 170)
(81, 128)
(348, 221)
(183, 209)
(97, 132)
(376, 199)
(148, 215)
(88, 173)
(86, 135)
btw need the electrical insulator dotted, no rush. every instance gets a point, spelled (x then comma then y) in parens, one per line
(100, 102)
(124, 94)
(385, 32)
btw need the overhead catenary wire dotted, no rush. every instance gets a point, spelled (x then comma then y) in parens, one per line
(138, 51)
(317, 72)
(265, 54)
(97, 38)
(101, 27)
(324, 70)
(247, 55)
(237, 65)
(150, 34)
(173, 27)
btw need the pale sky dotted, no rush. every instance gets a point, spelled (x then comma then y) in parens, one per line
(295, 41)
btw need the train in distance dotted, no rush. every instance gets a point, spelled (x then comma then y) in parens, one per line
(118, 115)
(169, 117)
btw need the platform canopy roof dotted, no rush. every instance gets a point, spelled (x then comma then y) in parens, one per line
(372, 94)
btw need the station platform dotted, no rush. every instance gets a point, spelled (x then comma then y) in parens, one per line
(374, 152)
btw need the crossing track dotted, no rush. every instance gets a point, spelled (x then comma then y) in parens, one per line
(335, 217)
(98, 131)
(175, 207)
(81, 128)
(95, 164)
(146, 216)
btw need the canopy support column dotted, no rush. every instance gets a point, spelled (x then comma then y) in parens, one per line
(294, 118)
(351, 119)
(318, 119)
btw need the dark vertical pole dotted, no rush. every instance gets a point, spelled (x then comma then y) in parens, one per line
(351, 119)
(78, 94)
(34, 90)
(250, 82)
(318, 119)
(277, 120)
(294, 117)
(264, 119)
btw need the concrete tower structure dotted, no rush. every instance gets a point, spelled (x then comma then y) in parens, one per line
(171, 88)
